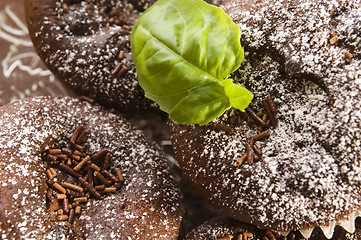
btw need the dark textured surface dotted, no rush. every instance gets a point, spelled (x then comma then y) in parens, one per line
(20, 84)
(81, 47)
(222, 226)
(310, 171)
(148, 206)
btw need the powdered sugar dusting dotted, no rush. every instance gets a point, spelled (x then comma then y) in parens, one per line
(224, 228)
(310, 170)
(80, 45)
(147, 206)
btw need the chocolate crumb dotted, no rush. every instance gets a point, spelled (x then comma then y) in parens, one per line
(61, 196)
(72, 187)
(81, 199)
(55, 151)
(82, 163)
(271, 104)
(49, 193)
(67, 151)
(90, 173)
(80, 154)
(110, 189)
(66, 205)
(100, 187)
(127, 27)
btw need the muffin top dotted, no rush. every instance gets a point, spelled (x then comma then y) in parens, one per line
(309, 172)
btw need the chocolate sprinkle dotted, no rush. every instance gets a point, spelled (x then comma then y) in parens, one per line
(40, 123)
(269, 112)
(256, 118)
(222, 127)
(71, 193)
(250, 153)
(69, 170)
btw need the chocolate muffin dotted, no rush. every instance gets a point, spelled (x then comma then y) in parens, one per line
(86, 44)
(291, 161)
(71, 170)
(223, 228)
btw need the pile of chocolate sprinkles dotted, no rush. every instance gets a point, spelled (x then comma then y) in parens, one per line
(253, 153)
(263, 121)
(91, 177)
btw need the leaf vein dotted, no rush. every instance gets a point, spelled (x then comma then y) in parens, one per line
(211, 77)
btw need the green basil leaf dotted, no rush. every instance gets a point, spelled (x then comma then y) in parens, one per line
(202, 104)
(239, 96)
(179, 45)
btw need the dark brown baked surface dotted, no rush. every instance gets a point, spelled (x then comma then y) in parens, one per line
(309, 172)
(147, 206)
(86, 45)
(227, 228)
